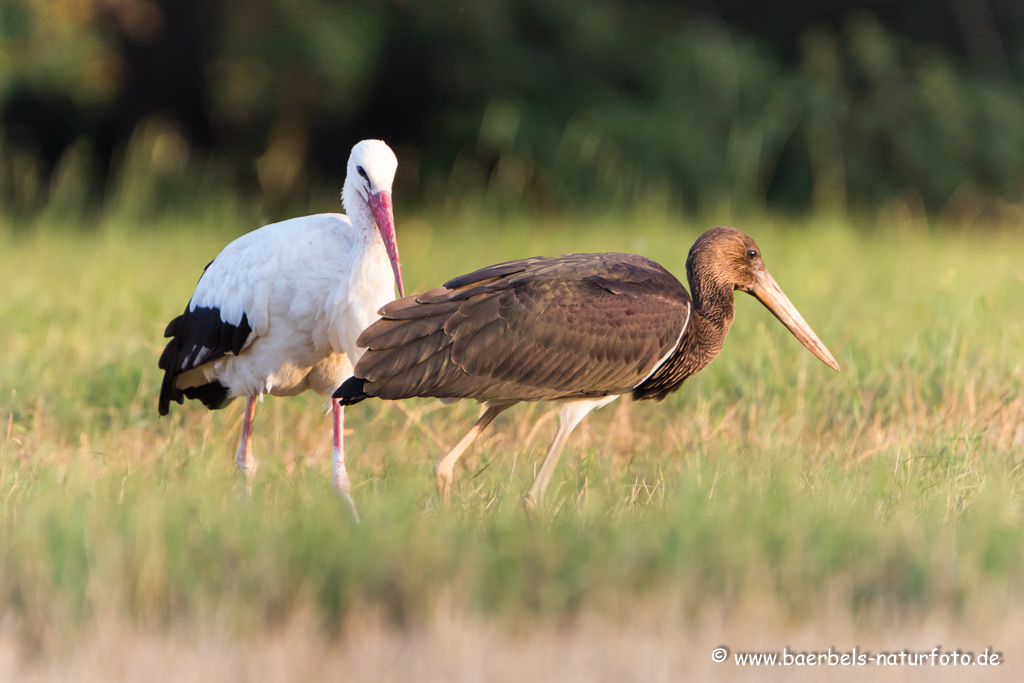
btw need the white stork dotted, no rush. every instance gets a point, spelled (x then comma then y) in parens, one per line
(279, 310)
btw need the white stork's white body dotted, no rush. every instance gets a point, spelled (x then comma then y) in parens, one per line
(305, 317)
(279, 310)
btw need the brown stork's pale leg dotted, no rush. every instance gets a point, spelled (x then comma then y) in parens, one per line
(570, 415)
(444, 468)
(339, 475)
(244, 460)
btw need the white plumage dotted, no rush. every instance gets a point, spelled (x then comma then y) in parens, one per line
(279, 310)
(286, 278)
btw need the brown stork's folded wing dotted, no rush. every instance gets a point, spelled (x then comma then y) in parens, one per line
(534, 329)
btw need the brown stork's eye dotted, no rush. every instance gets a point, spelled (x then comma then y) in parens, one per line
(751, 254)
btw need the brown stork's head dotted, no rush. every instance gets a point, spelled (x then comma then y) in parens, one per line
(725, 259)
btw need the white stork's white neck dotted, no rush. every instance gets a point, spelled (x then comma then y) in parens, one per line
(359, 212)
(369, 255)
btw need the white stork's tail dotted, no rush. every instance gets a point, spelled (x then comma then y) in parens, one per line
(198, 336)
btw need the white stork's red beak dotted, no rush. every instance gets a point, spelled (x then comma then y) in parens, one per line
(380, 204)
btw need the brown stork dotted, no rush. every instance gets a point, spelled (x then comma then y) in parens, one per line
(580, 330)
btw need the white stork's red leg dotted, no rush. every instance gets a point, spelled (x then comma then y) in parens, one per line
(339, 475)
(244, 460)
(444, 468)
(570, 415)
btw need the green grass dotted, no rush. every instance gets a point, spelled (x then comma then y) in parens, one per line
(895, 484)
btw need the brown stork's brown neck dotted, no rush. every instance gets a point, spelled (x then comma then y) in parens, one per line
(703, 339)
(710, 322)
(716, 265)
(712, 301)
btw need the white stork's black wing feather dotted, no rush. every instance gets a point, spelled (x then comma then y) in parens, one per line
(227, 311)
(197, 336)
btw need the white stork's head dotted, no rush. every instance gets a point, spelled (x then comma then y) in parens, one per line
(371, 172)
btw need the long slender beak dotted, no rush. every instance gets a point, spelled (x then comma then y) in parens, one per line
(380, 204)
(768, 292)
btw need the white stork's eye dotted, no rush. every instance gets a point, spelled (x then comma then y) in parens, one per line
(362, 172)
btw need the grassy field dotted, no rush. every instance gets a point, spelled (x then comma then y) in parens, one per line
(769, 503)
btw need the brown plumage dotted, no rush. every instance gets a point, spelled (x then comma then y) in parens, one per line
(581, 329)
(537, 329)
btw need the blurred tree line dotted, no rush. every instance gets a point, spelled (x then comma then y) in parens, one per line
(154, 105)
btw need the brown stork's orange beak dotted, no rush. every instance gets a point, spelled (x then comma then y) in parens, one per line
(768, 292)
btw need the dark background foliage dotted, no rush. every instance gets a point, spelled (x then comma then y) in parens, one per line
(549, 105)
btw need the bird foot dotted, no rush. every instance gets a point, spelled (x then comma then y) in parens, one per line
(351, 504)
(444, 488)
(532, 506)
(343, 487)
(245, 482)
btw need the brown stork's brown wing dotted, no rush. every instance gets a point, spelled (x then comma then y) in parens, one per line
(534, 329)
